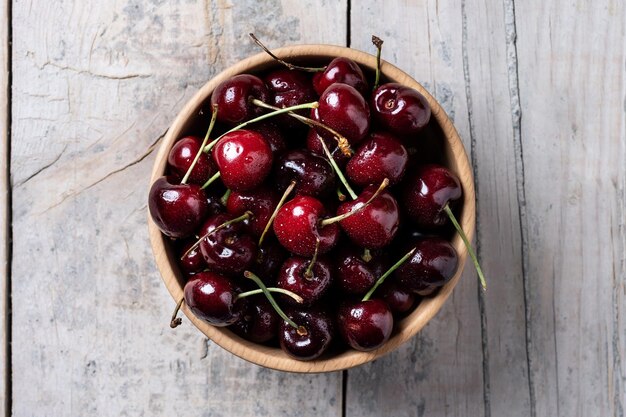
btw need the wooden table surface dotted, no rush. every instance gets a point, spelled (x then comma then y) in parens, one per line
(537, 91)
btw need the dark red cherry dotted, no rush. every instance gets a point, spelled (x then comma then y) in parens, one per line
(191, 261)
(272, 134)
(311, 343)
(311, 287)
(341, 70)
(228, 250)
(233, 96)
(261, 202)
(399, 300)
(399, 109)
(427, 190)
(374, 226)
(182, 155)
(433, 264)
(343, 109)
(213, 298)
(297, 227)
(380, 156)
(353, 275)
(289, 88)
(312, 173)
(259, 322)
(244, 159)
(177, 209)
(313, 144)
(270, 257)
(365, 325)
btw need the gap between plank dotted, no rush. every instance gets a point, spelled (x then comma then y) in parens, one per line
(481, 295)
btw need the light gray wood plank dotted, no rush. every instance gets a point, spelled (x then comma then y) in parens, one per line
(4, 200)
(96, 84)
(440, 372)
(570, 69)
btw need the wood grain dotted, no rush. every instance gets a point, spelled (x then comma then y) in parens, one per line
(570, 70)
(96, 84)
(4, 200)
(440, 371)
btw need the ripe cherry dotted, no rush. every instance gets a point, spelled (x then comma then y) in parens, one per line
(177, 209)
(258, 322)
(182, 155)
(312, 173)
(343, 71)
(191, 260)
(244, 159)
(400, 110)
(354, 275)
(233, 96)
(432, 265)
(260, 202)
(213, 298)
(365, 325)
(309, 278)
(380, 156)
(289, 88)
(312, 337)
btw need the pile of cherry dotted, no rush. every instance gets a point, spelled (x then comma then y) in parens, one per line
(304, 217)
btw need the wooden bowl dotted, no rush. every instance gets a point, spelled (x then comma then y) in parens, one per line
(454, 157)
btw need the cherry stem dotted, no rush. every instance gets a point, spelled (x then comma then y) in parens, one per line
(367, 255)
(224, 198)
(281, 202)
(378, 43)
(291, 294)
(285, 63)
(204, 141)
(458, 228)
(332, 162)
(177, 321)
(340, 195)
(342, 143)
(270, 298)
(276, 112)
(211, 180)
(244, 216)
(387, 273)
(308, 274)
(356, 208)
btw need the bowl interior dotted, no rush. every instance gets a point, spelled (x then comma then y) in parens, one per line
(441, 144)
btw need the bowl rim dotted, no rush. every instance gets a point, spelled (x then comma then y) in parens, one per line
(405, 328)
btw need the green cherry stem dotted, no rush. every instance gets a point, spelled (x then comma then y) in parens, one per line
(378, 43)
(272, 301)
(342, 142)
(386, 274)
(291, 294)
(357, 207)
(244, 216)
(308, 274)
(285, 63)
(224, 198)
(211, 180)
(276, 112)
(281, 202)
(177, 321)
(458, 228)
(342, 178)
(204, 141)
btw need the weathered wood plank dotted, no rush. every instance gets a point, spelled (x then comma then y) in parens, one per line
(96, 84)
(570, 69)
(440, 372)
(4, 200)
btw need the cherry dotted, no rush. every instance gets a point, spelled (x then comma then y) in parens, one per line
(298, 227)
(380, 156)
(432, 265)
(177, 209)
(182, 155)
(260, 202)
(224, 245)
(343, 109)
(310, 279)
(244, 159)
(399, 300)
(258, 322)
(428, 190)
(313, 143)
(273, 135)
(270, 257)
(290, 88)
(311, 338)
(213, 298)
(232, 98)
(399, 109)
(373, 226)
(341, 70)
(354, 275)
(191, 260)
(365, 325)
(312, 173)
